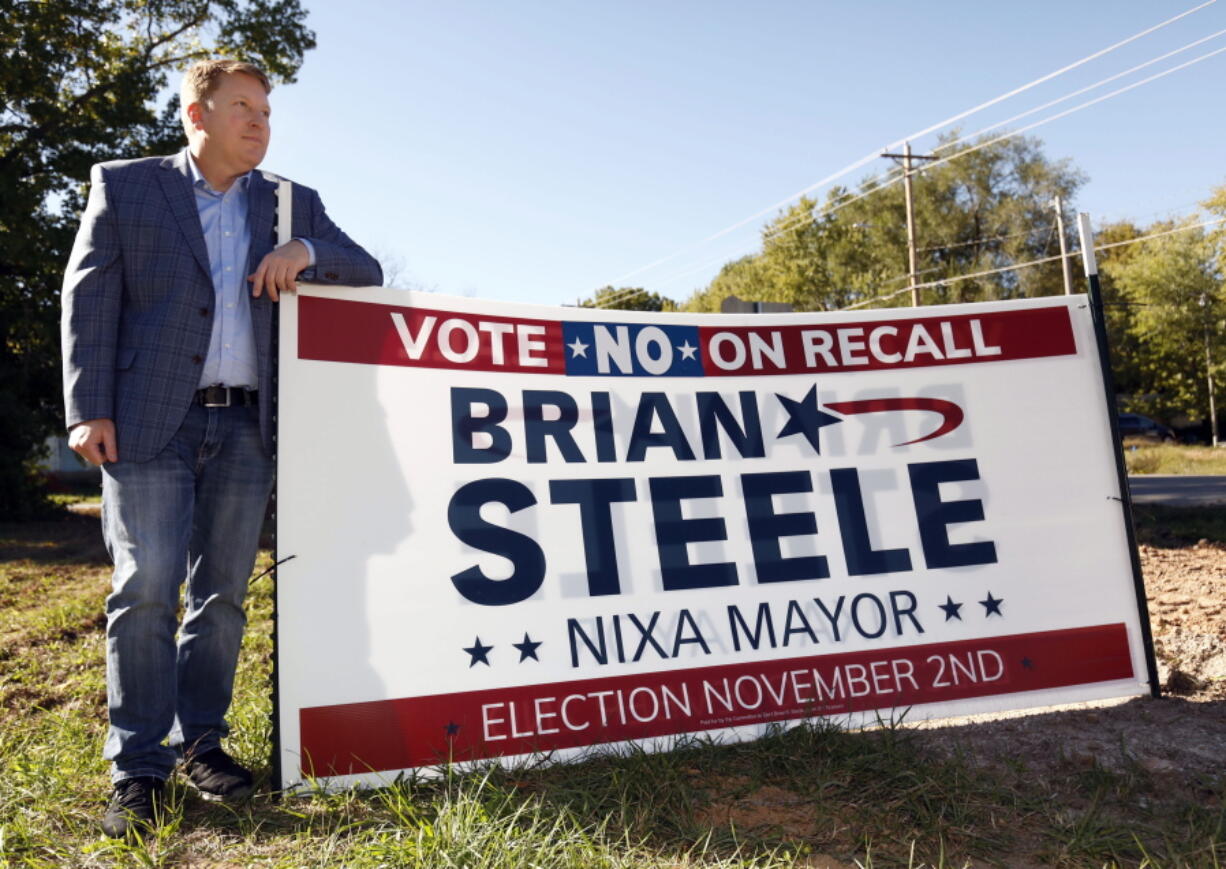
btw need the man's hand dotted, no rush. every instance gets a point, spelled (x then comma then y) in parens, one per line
(278, 271)
(94, 441)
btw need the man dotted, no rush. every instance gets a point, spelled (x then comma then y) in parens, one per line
(167, 332)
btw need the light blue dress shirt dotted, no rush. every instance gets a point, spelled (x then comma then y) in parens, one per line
(231, 359)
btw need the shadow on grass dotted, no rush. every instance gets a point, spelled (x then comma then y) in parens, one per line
(1179, 527)
(814, 788)
(66, 538)
(1093, 787)
(1069, 787)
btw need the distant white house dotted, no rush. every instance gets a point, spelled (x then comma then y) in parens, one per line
(64, 464)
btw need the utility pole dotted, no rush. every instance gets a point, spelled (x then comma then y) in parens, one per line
(1204, 306)
(906, 156)
(1064, 260)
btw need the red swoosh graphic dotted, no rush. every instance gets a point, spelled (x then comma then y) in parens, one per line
(951, 414)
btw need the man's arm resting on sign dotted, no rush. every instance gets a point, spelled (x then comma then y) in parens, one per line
(338, 258)
(279, 269)
(94, 440)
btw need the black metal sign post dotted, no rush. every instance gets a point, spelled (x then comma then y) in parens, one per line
(1097, 314)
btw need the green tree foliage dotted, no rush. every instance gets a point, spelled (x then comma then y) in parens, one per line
(1216, 206)
(82, 81)
(1128, 349)
(1170, 288)
(629, 299)
(744, 278)
(983, 211)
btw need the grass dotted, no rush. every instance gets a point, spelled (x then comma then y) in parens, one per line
(1142, 457)
(877, 797)
(1172, 527)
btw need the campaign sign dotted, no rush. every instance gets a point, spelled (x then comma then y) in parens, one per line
(518, 529)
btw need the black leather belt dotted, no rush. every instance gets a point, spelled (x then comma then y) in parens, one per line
(226, 396)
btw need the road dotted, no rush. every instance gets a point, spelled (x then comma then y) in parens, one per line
(1177, 491)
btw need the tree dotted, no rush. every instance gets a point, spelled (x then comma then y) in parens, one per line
(1216, 206)
(1173, 287)
(744, 278)
(979, 212)
(629, 299)
(82, 81)
(1127, 344)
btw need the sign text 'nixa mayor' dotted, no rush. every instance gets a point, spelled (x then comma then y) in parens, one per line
(519, 529)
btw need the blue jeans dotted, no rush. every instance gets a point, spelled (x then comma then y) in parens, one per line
(193, 513)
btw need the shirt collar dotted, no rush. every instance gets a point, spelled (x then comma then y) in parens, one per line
(199, 181)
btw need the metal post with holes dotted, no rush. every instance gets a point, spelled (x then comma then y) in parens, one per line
(1204, 308)
(1097, 314)
(1066, 266)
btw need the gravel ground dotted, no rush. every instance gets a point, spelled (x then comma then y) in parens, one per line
(1182, 734)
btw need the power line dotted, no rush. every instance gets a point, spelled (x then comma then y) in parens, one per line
(851, 167)
(1014, 267)
(889, 181)
(954, 279)
(1115, 93)
(1183, 228)
(1063, 114)
(890, 178)
(1079, 91)
(1038, 81)
(980, 145)
(869, 158)
(986, 240)
(1168, 210)
(1036, 262)
(846, 199)
(628, 293)
(905, 277)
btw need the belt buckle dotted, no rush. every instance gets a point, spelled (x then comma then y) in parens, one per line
(223, 389)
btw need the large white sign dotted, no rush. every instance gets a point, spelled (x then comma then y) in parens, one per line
(518, 529)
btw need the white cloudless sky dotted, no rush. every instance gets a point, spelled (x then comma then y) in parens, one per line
(534, 150)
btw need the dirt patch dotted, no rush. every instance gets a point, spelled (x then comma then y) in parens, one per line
(766, 809)
(1171, 746)
(1180, 737)
(1187, 593)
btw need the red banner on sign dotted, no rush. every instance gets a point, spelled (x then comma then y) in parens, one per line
(424, 731)
(337, 330)
(921, 342)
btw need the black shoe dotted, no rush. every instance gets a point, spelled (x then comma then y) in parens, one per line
(215, 774)
(136, 805)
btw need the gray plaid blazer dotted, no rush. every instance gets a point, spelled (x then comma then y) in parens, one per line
(138, 299)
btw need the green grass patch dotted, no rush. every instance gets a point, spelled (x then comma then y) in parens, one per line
(1142, 457)
(876, 797)
(1179, 526)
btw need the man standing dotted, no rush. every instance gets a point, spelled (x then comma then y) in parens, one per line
(167, 336)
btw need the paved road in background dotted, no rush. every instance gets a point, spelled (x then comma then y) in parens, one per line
(1177, 491)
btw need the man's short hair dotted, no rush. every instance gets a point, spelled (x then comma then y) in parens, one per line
(204, 76)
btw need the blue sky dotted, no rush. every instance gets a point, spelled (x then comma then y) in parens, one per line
(532, 151)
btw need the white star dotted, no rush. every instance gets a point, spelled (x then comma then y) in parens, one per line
(577, 349)
(687, 349)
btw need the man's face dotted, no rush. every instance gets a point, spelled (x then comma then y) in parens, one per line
(233, 123)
